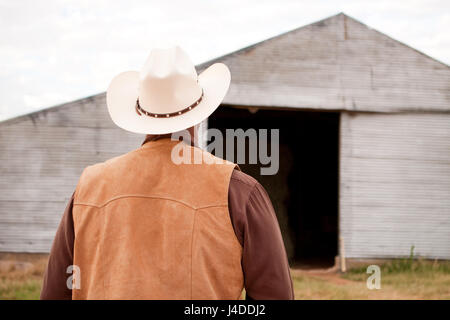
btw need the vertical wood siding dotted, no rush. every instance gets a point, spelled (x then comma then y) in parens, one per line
(41, 158)
(395, 185)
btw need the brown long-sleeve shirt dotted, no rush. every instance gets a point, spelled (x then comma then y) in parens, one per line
(264, 259)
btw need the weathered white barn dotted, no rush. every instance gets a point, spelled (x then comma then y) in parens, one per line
(364, 141)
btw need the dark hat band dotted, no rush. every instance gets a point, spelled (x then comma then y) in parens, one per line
(140, 110)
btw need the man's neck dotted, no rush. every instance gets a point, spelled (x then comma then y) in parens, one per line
(153, 137)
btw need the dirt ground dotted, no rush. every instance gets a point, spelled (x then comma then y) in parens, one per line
(21, 278)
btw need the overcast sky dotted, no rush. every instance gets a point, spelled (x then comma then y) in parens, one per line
(55, 51)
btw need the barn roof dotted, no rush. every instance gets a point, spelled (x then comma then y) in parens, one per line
(337, 63)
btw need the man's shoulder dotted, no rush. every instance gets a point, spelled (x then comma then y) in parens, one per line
(242, 179)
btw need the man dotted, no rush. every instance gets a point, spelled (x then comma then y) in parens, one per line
(143, 226)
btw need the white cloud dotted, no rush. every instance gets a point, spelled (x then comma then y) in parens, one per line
(54, 51)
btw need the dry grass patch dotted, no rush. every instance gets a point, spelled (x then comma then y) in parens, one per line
(400, 279)
(21, 278)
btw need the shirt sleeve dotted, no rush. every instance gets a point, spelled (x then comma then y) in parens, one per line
(264, 259)
(61, 256)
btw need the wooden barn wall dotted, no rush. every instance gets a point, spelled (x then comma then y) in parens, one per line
(395, 185)
(395, 169)
(41, 158)
(337, 63)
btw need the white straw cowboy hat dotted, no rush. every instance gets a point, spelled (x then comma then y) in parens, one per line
(166, 95)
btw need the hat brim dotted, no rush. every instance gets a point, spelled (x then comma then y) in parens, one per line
(123, 91)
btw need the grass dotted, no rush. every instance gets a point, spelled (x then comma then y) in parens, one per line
(22, 280)
(417, 279)
(400, 279)
(20, 290)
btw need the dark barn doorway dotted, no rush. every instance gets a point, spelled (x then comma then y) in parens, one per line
(304, 191)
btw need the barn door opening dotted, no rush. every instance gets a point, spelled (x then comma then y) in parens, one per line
(304, 191)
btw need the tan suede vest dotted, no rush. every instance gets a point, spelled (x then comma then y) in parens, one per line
(147, 228)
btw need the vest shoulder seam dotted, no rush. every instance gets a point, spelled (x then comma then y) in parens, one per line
(212, 206)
